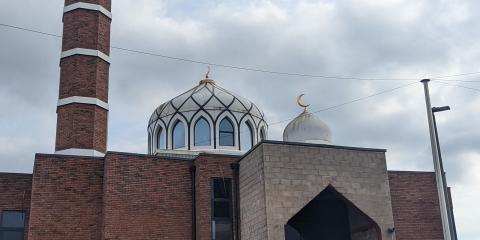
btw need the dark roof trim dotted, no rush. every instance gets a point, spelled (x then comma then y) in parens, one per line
(148, 155)
(65, 156)
(325, 146)
(21, 174)
(411, 171)
(311, 145)
(207, 154)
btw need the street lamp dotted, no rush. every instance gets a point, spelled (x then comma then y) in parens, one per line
(447, 234)
(451, 218)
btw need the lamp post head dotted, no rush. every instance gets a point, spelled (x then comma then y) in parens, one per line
(440, 109)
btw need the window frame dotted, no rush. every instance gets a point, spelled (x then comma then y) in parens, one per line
(226, 118)
(228, 219)
(185, 132)
(158, 134)
(250, 129)
(195, 132)
(12, 229)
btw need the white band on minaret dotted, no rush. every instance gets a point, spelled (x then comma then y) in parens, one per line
(82, 100)
(88, 6)
(81, 152)
(87, 52)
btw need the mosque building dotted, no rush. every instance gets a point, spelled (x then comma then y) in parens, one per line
(211, 172)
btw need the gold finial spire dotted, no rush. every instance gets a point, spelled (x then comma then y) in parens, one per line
(207, 79)
(300, 103)
(208, 72)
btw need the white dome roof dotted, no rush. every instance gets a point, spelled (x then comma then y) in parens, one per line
(213, 103)
(307, 128)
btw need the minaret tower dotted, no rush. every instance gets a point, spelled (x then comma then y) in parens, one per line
(82, 108)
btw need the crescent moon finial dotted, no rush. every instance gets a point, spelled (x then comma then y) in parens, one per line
(300, 103)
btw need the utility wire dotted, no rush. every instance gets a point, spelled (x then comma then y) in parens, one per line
(460, 86)
(246, 68)
(352, 101)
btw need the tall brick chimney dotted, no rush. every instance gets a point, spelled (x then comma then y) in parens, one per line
(82, 108)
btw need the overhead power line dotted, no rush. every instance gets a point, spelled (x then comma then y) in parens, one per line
(353, 100)
(459, 86)
(249, 68)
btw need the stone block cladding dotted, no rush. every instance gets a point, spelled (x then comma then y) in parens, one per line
(146, 197)
(253, 217)
(294, 174)
(66, 198)
(84, 127)
(207, 167)
(416, 208)
(15, 192)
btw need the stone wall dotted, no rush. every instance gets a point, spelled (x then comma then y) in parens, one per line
(252, 196)
(287, 176)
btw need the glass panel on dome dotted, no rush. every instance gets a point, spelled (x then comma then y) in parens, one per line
(226, 133)
(246, 136)
(178, 135)
(161, 144)
(202, 133)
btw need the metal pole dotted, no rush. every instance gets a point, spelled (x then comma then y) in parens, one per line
(436, 164)
(451, 221)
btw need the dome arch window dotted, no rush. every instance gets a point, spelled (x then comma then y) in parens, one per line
(161, 139)
(178, 135)
(226, 133)
(247, 136)
(202, 132)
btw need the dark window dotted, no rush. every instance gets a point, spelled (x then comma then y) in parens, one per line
(246, 136)
(226, 133)
(161, 139)
(12, 225)
(178, 135)
(222, 209)
(202, 133)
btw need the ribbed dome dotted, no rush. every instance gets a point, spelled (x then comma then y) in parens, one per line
(307, 128)
(213, 103)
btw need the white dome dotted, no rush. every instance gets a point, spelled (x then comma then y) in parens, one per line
(212, 103)
(307, 128)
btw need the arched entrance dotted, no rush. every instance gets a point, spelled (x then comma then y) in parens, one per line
(330, 216)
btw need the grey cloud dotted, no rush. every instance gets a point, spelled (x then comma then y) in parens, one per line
(346, 38)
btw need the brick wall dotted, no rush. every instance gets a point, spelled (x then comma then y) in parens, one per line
(82, 125)
(207, 167)
(146, 197)
(66, 198)
(15, 192)
(415, 205)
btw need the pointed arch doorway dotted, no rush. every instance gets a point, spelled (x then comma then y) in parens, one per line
(330, 216)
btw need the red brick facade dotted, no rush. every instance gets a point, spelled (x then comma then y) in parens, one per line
(415, 204)
(133, 196)
(66, 198)
(146, 197)
(15, 193)
(208, 167)
(84, 126)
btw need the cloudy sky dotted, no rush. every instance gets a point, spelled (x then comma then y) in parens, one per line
(364, 39)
